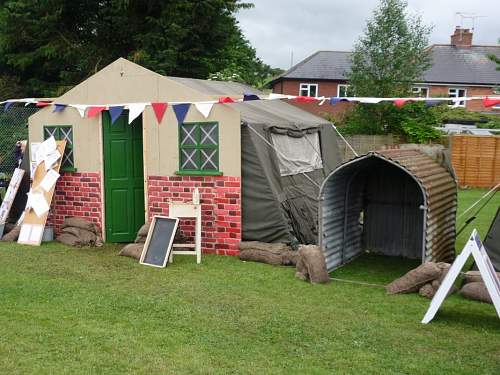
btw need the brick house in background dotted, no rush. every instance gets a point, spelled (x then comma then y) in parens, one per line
(458, 69)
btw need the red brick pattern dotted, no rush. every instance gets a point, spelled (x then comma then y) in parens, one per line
(76, 194)
(221, 208)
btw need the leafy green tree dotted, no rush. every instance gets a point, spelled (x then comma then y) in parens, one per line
(391, 54)
(495, 58)
(387, 59)
(51, 45)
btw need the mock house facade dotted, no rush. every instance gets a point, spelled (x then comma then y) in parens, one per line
(459, 69)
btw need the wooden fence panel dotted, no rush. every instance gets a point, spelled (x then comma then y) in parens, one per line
(476, 160)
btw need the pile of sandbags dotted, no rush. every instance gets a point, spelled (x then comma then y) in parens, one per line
(134, 250)
(270, 253)
(474, 287)
(425, 279)
(311, 265)
(76, 231)
(12, 233)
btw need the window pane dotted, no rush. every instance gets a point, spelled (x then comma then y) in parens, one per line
(304, 92)
(209, 159)
(209, 135)
(189, 159)
(312, 90)
(50, 132)
(188, 135)
(342, 91)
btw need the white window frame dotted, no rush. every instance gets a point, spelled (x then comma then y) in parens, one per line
(307, 87)
(456, 90)
(345, 86)
(417, 90)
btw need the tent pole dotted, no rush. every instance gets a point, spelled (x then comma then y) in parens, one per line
(345, 140)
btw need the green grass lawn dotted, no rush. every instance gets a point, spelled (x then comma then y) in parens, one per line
(69, 311)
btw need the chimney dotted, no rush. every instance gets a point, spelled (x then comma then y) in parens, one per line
(462, 38)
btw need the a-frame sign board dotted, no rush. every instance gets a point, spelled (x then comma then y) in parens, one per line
(475, 247)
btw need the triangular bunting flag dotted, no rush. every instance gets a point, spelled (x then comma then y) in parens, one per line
(181, 111)
(59, 107)
(80, 108)
(94, 111)
(115, 112)
(7, 105)
(134, 111)
(336, 100)
(250, 96)
(432, 103)
(204, 108)
(399, 102)
(226, 99)
(42, 104)
(487, 102)
(305, 99)
(159, 109)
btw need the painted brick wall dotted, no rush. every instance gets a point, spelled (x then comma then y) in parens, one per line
(76, 194)
(221, 208)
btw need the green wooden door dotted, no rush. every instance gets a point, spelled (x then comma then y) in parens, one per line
(123, 178)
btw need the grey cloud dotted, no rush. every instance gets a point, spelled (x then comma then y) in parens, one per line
(277, 27)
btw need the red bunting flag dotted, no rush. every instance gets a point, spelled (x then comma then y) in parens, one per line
(42, 104)
(226, 99)
(305, 99)
(399, 102)
(159, 109)
(93, 111)
(487, 102)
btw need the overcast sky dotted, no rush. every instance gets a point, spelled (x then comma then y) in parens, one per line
(277, 27)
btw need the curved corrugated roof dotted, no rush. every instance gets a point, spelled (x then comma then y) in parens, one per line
(340, 236)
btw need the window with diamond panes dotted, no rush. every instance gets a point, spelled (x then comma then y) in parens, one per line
(61, 133)
(199, 147)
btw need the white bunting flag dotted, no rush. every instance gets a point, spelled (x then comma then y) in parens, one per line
(81, 108)
(134, 110)
(204, 108)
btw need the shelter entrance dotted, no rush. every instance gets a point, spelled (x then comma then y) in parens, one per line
(123, 178)
(373, 204)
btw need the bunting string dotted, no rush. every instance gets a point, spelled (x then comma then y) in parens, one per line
(181, 109)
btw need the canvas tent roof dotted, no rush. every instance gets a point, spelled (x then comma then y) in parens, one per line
(276, 208)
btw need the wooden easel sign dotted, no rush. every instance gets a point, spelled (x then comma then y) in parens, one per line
(475, 247)
(159, 241)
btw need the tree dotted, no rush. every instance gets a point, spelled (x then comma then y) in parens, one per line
(495, 58)
(387, 59)
(391, 54)
(49, 46)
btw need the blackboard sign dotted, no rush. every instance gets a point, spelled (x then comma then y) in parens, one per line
(159, 241)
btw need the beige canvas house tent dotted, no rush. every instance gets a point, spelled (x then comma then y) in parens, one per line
(119, 174)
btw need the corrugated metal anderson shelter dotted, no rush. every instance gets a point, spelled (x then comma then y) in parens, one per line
(118, 174)
(391, 202)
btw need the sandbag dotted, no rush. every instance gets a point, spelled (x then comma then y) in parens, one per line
(73, 236)
(142, 234)
(474, 276)
(132, 250)
(79, 222)
(427, 291)
(68, 239)
(412, 281)
(13, 235)
(311, 265)
(262, 256)
(276, 248)
(476, 291)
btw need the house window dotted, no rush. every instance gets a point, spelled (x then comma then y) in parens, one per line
(342, 91)
(199, 148)
(308, 89)
(420, 91)
(457, 93)
(63, 133)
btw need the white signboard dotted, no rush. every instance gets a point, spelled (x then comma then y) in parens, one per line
(475, 247)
